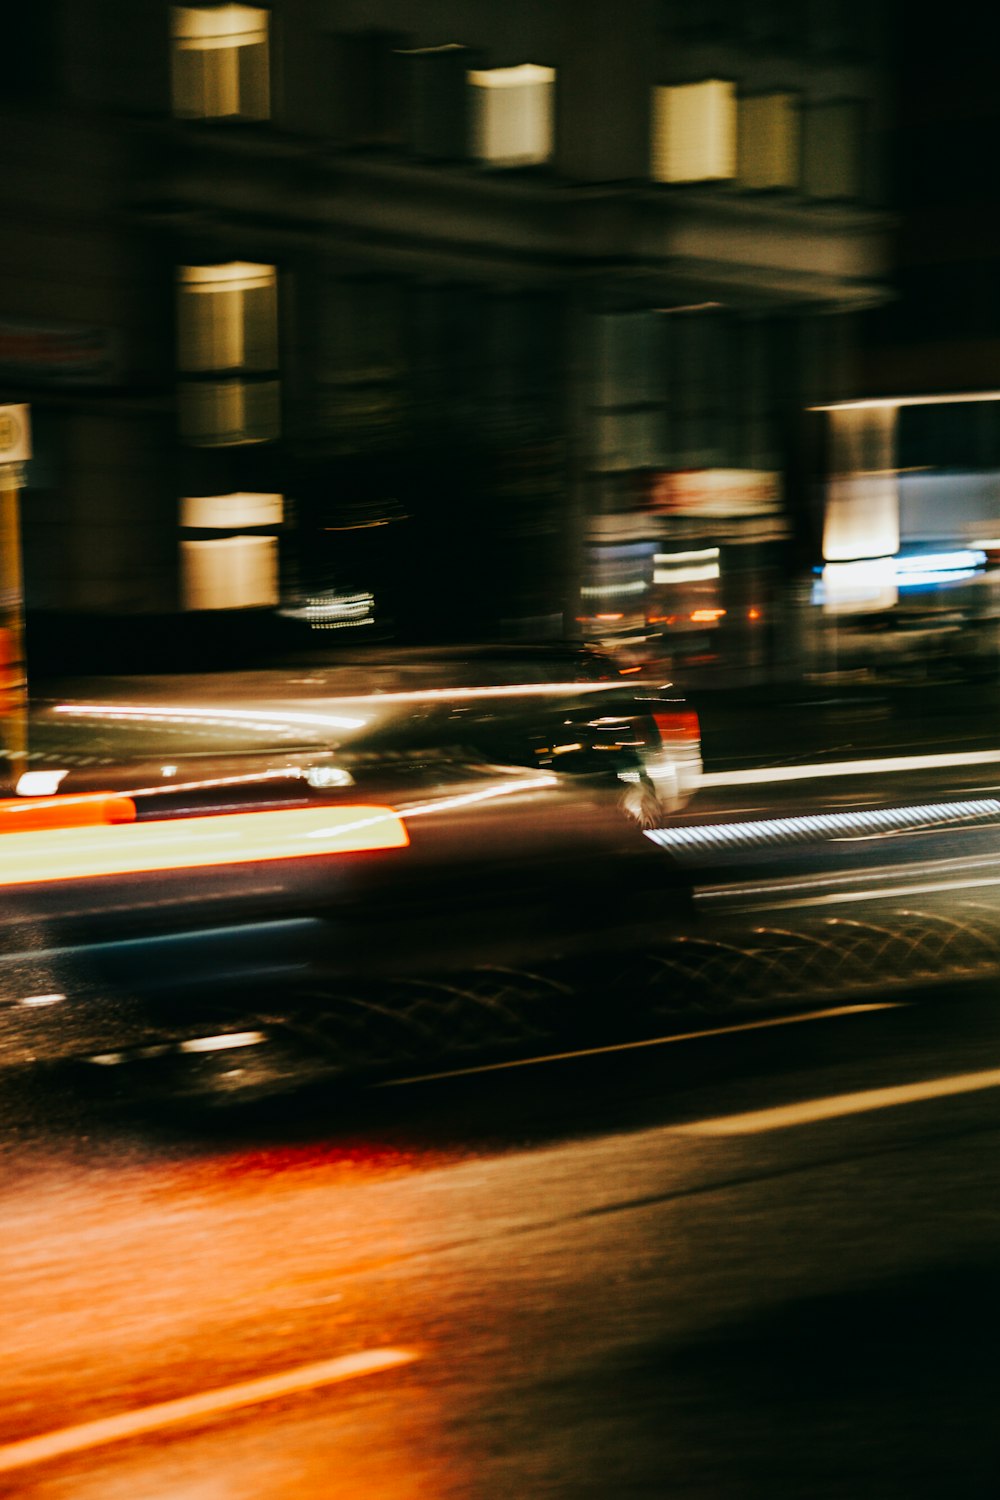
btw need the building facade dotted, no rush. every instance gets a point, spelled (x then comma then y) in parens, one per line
(436, 320)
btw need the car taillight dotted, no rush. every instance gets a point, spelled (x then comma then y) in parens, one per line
(678, 727)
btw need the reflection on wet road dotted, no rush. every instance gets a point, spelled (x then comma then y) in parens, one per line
(596, 1301)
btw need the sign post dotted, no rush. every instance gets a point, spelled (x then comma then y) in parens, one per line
(15, 450)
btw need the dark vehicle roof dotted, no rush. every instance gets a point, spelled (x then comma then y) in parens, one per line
(475, 664)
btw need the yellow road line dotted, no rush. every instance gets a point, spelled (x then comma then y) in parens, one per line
(656, 1041)
(838, 1105)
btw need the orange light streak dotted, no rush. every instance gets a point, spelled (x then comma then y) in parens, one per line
(87, 811)
(79, 853)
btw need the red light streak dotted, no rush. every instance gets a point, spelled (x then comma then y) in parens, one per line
(86, 811)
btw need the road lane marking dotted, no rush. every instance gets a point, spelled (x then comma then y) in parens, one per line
(656, 1041)
(835, 1106)
(190, 1408)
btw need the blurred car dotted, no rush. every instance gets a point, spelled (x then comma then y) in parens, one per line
(569, 709)
(257, 842)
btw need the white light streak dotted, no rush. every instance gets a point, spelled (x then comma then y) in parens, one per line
(876, 402)
(940, 561)
(608, 590)
(925, 580)
(243, 718)
(700, 574)
(823, 825)
(39, 783)
(223, 1042)
(670, 559)
(327, 776)
(887, 765)
(468, 799)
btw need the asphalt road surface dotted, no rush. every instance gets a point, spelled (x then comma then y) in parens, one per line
(761, 1261)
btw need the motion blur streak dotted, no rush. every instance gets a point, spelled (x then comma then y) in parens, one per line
(244, 718)
(867, 888)
(488, 794)
(884, 820)
(833, 1013)
(190, 1408)
(39, 783)
(233, 838)
(65, 812)
(884, 765)
(838, 1105)
(334, 777)
(507, 690)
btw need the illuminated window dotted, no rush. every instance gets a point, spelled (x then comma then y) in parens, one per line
(769, 141)
(227, 317)
(694, 132)
(234, 571)
(231, 512)
(227, 336)
(862, 493)
(512, 113)
(220, 413)
(832, 150)
(221, 67)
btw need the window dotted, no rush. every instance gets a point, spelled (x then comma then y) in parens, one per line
(435, 103)
(627, 393)
(832, 26)
(862, 500)
(223, 413)
(235, 570)
(364, 99)
(769, 141)
(694, 131)
(701, 21)
(511, 114)
(227, 348)
(221, 65)
(832, 150)
(228, 317)
(771, 23)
